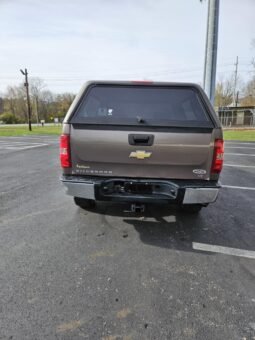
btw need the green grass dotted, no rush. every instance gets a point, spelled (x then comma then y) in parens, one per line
(243, 135)
(23, 130)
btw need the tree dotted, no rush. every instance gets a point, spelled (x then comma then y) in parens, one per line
(224, 93)
(248, 98)
(36, 87)
(9, 118)
(45, 104)
(14, 102)
(64, 101)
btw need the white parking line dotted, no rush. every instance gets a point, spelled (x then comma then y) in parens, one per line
(19, 146)
(239, 143)
(239, 147)
(224, 250)
(17, 143)
(239, 154)
(236, 187)
(240, 166)
(29, 140)
(28, 137)
(23, 147)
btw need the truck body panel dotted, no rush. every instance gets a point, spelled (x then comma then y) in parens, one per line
(172, 155)
(142, 136)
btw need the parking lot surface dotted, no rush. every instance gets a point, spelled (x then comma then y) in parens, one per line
(109, 274)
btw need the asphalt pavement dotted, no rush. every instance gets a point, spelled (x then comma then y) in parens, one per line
(67, 273)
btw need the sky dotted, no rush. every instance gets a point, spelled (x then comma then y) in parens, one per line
(68, 42)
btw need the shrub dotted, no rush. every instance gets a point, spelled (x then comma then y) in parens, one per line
(9, 118)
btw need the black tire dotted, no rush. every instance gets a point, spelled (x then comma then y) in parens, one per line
(84, 203)
(191, 208)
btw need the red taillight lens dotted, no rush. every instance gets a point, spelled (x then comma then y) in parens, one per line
(65, 152)
(217, 163)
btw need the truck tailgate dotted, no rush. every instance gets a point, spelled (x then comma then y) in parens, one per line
(175, 155)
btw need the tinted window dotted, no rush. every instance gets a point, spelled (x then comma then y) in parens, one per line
(148, 105)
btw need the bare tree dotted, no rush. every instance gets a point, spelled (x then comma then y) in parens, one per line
(14, 101)
(36, 87)
(224, 92)
(46, 104)
(248, 98)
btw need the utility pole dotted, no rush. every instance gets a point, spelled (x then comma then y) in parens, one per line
(237, 98)
(235, 80)
(211, 48)
(28, 99)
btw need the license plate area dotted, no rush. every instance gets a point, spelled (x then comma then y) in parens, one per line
(138, 188)
(135, 188)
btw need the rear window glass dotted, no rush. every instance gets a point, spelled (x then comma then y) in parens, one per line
(142, 105)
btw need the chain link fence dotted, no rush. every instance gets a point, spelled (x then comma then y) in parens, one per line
(238, 118)
(234, 121)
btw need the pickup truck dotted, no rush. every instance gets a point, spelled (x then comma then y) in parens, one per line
(142, 142)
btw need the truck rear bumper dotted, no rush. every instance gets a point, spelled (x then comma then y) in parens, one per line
(142, 190)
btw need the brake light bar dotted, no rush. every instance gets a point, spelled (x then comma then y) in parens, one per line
(65, 151)
(148, 82)
(218, 155)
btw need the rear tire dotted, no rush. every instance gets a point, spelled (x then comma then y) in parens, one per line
(191, 208)
(84, 203)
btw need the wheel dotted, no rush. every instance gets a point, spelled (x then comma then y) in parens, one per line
(84, 203)
(191, 208)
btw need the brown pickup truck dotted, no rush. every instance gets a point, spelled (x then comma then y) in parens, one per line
(142, 142)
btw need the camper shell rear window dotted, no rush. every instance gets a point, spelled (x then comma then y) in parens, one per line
(165, 106)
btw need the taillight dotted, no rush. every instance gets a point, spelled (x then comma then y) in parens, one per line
(217, 163)
(65, 152)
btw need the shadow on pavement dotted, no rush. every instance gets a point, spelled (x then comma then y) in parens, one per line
(221, 224)
(159, 225)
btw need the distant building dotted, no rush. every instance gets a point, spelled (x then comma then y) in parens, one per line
(237, 115)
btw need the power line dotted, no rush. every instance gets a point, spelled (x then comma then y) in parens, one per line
(69, 77)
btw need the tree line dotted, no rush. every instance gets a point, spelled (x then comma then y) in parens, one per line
(227, 94)
(45, 105)
(234, 91)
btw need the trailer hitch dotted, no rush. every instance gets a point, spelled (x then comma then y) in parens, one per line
(136, 208)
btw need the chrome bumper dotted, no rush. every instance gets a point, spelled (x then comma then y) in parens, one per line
(80, 189)
(186, 194)
(200, 195)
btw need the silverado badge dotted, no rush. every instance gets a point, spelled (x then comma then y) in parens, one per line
(140, 154)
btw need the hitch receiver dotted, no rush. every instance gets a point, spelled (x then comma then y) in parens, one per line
(137, 208)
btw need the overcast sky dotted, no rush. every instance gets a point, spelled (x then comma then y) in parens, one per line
(68, 42)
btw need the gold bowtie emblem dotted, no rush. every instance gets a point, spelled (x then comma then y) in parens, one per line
(140, 154)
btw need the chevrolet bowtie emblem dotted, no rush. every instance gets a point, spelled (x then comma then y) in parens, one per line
(140, 154)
